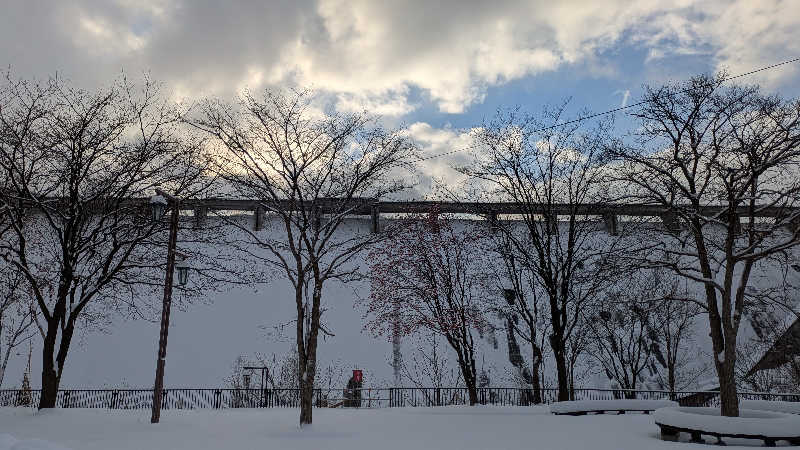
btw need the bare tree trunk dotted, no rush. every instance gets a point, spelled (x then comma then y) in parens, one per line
(472, 390)
(671, 381)
(306, 401)
(307, 355)
(468, 371)
(728, 395)
(536, 368)
(50, 379)
(4, 365)
(463, 346)
(562, 373)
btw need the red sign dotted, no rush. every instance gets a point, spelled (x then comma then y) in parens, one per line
(358, 376)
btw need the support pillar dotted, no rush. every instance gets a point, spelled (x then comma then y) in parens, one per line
(376, 219)
(610, 221)
(671, 222)
(200, 215)
(258, 224)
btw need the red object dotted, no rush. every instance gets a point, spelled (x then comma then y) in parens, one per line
(358, 376)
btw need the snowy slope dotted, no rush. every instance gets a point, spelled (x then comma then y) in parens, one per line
(206, 338)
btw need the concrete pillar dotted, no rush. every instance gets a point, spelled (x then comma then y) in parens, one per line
(376, 219)
(493, 223)
(317, 218)
(200, 215)
(258, 223)
(671, 222)
(610, 221)
(551, 224)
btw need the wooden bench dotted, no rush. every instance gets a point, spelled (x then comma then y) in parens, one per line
(621, 406)
(771, 405)
(670, 433)
(766, 426)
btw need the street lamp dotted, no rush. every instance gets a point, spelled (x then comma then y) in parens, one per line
(158, 204)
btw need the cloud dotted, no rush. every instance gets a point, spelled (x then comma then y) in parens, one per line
(371, 54)
(444, 148)
(626, 95)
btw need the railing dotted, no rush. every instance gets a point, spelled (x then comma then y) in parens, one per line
(369, 398)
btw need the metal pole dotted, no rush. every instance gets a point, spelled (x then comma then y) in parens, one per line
(263, 394)
(162, 337)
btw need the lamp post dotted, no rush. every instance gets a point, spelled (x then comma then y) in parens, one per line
(159, 203)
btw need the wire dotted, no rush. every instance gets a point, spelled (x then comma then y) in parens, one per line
(621, 108)
(447, 153)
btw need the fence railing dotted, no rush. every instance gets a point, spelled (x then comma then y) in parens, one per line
(365, 398)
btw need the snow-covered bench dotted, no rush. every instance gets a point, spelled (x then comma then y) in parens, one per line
(621, 406)
(767, 426)
(769, 405)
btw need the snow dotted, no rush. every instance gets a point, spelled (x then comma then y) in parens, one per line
(609, 405)
(453, 428)
(9, 442)
(749, 422)
(775, 406)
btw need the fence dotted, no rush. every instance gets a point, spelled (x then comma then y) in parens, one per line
(369, 398)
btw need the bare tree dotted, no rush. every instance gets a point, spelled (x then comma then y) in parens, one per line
(673, 322)
(716, 159)
(309, 174)
(551, 172)
(622, 336)
(16, 315)
(74, 164)
(427, 366)
(523, 298)
(430, 277)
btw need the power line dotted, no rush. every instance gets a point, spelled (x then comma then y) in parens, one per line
(447, 153)
(621, 108)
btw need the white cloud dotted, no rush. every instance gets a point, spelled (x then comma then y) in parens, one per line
(444, 148)
(376, 55)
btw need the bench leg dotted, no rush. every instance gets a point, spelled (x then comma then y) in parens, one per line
(696, 438)
(669, 433)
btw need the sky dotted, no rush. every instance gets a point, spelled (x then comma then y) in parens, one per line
(436, 68)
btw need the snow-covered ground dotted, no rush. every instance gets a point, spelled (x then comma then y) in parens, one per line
(456, 428)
